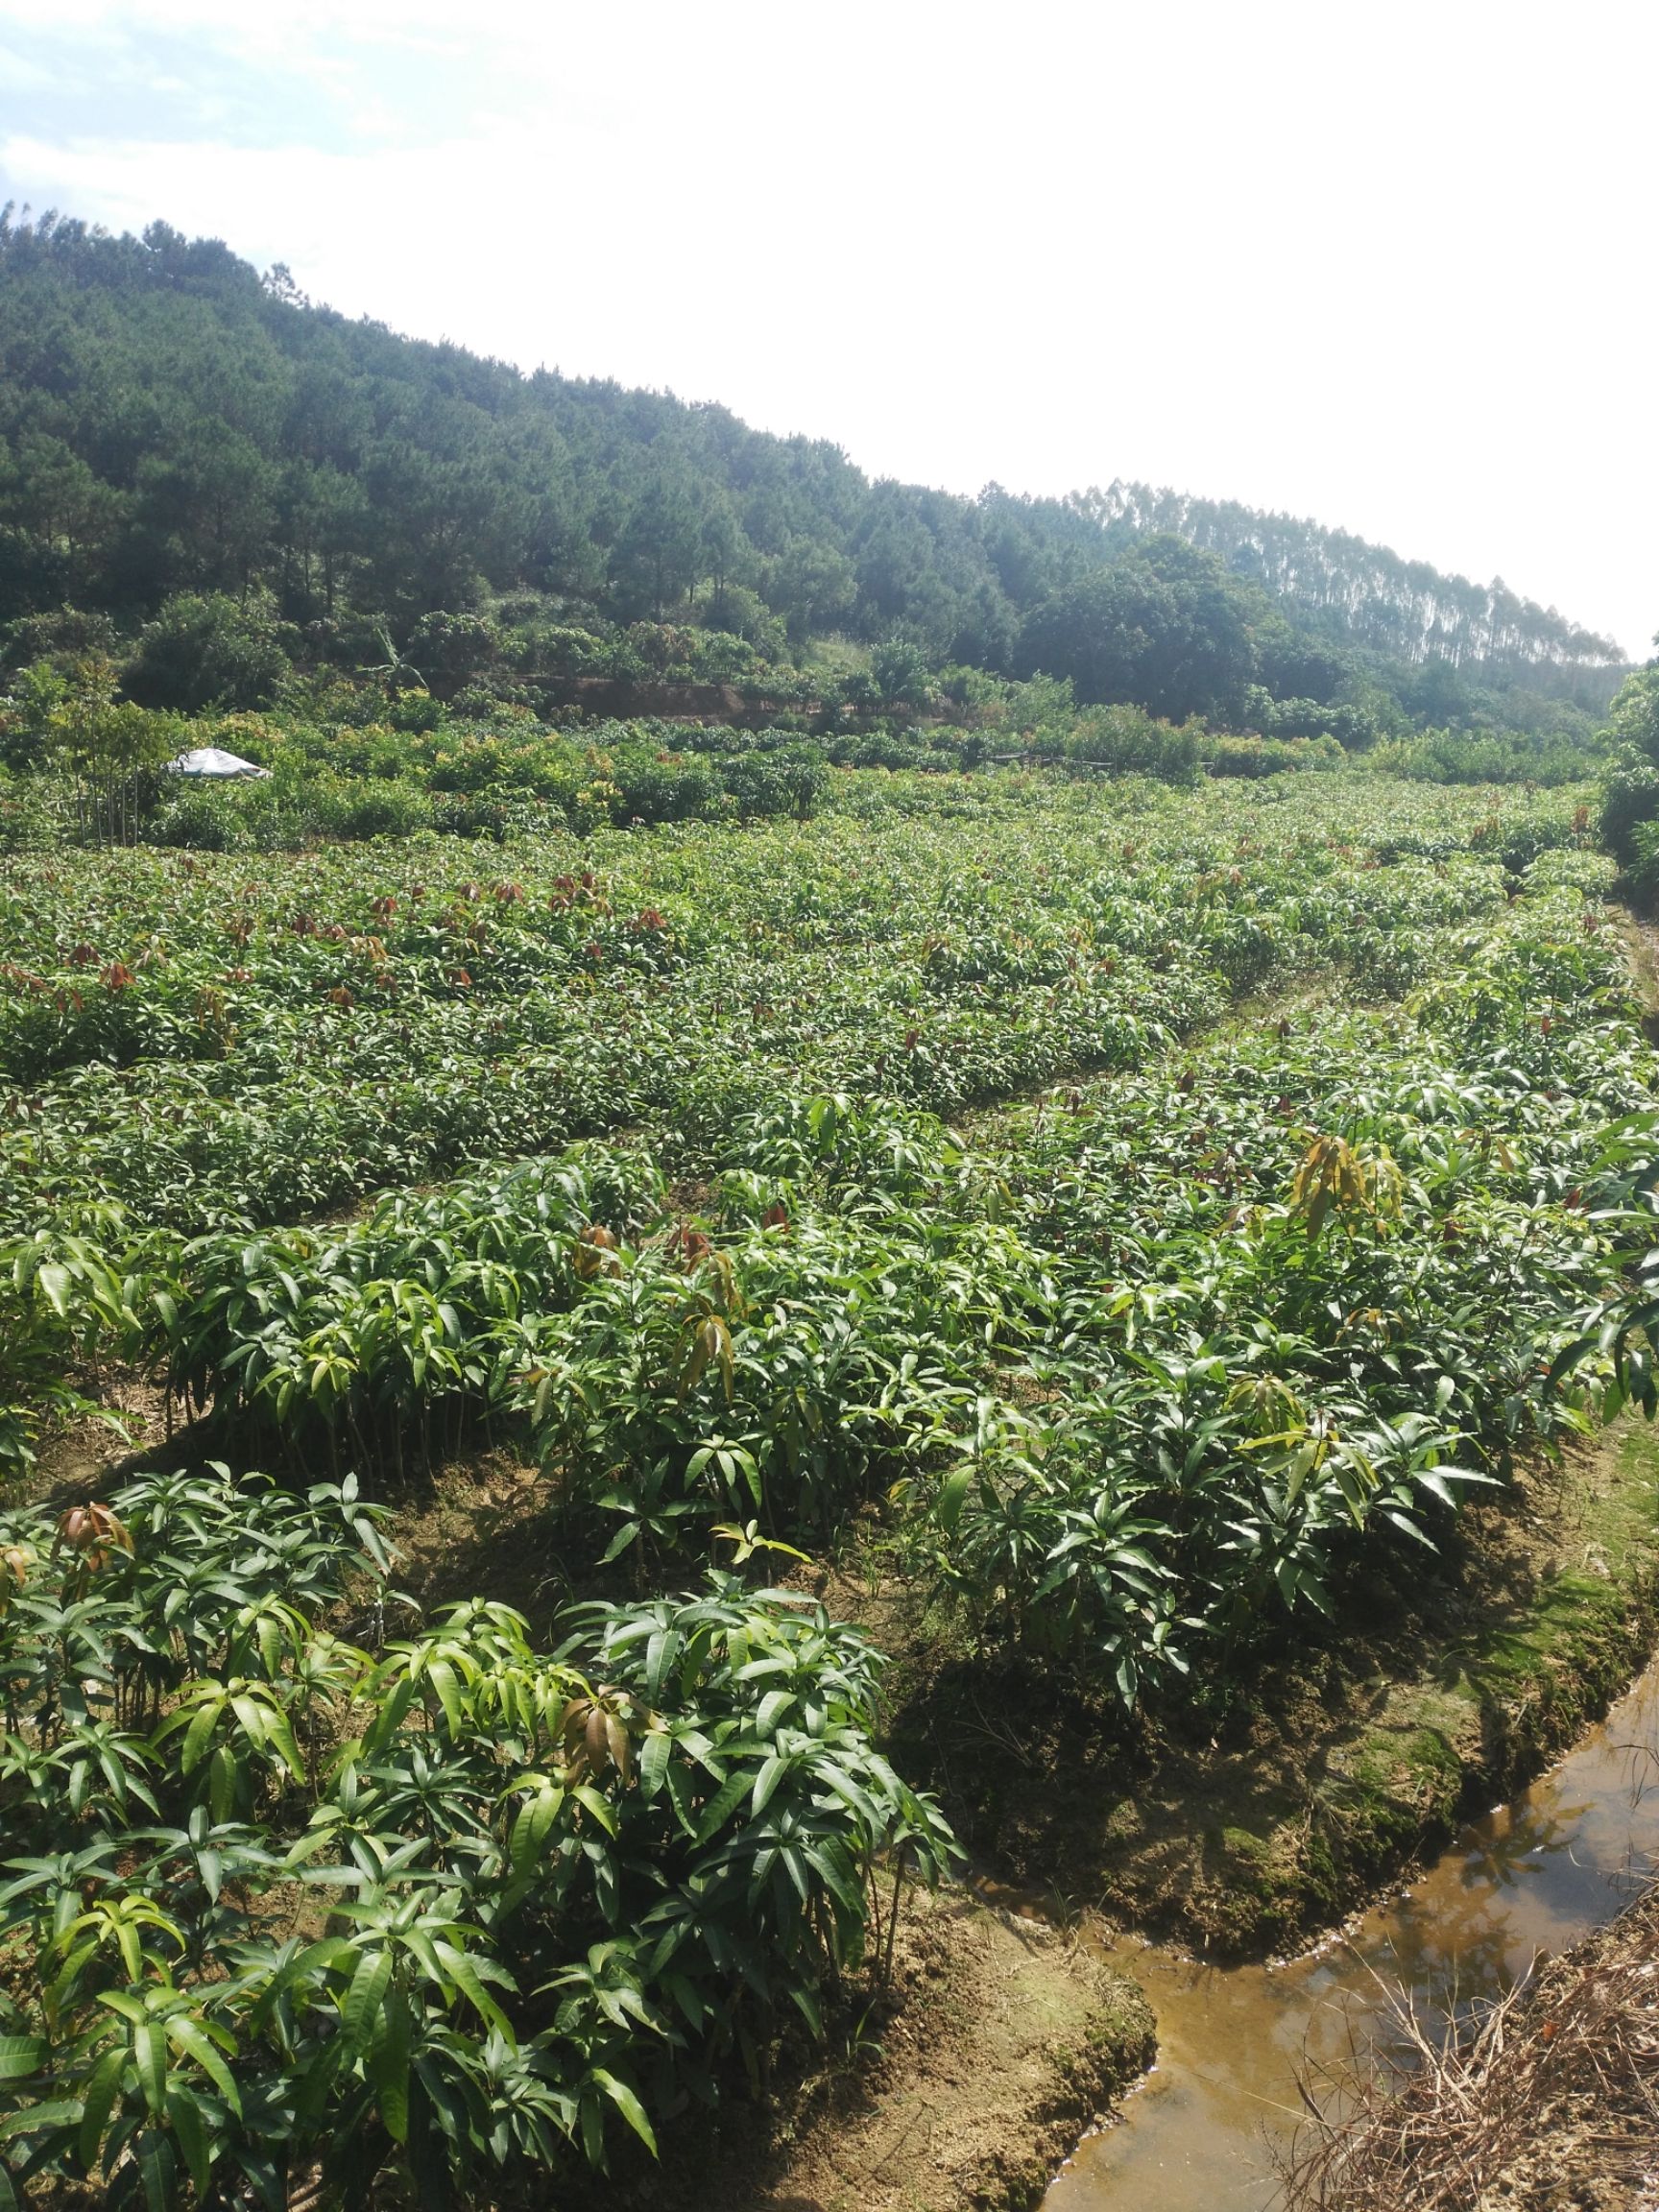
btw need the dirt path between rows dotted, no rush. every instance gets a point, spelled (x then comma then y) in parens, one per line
(1006, 2042)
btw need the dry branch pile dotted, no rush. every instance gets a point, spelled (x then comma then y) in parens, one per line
(1552, 2103)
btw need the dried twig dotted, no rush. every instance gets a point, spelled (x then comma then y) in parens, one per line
(1570, 2053)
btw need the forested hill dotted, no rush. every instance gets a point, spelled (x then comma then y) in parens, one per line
(171, 420)
(1404, 609)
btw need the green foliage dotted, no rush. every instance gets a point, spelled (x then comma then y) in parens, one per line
(1630, 793)
(213, 817)
(1131, 1375)
(452, 647)
(1322, 1304)
(209, 650)
(1643, 870)
(1491, 756)
(898, 671)
(560, 1887)
(196, 435)
(1129, 742)
(1633, 719)
(1315, 1305)
(34, 814)
(1350, 598)
(847, 1313)
(1629, 803)
(212, 1049)
(62, 719)
(1353, 725)
(604, 1086)
(1270, 756)
(394, 780)
(1166, 629)
(64, 636)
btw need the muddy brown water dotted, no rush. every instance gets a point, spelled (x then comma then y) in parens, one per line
(1532, 1877)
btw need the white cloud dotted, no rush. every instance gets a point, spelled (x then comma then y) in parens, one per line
(19, 74)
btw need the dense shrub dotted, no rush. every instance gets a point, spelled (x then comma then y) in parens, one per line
(368, 808)
(675, 1826)
(1630, 803)
(1130, 742)
(1487, 757)
(32, 813)
(1353, 726)
(1630, 793)
(1270, 756)
(208, 817)
(209, 650)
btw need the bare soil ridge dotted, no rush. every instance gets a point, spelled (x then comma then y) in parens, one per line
(1005, 2043)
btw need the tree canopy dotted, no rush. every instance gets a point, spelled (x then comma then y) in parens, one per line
(172, 422)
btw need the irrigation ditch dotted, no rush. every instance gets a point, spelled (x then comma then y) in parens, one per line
(1220, 2118)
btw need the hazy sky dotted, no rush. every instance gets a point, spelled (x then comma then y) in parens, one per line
(1389, 266)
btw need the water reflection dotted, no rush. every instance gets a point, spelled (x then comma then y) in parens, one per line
(1530, 1877)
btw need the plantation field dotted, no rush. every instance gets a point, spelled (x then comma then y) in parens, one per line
(1124, 1216)
(208, 1046)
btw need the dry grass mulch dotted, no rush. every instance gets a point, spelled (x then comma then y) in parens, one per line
(1551, 2105)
